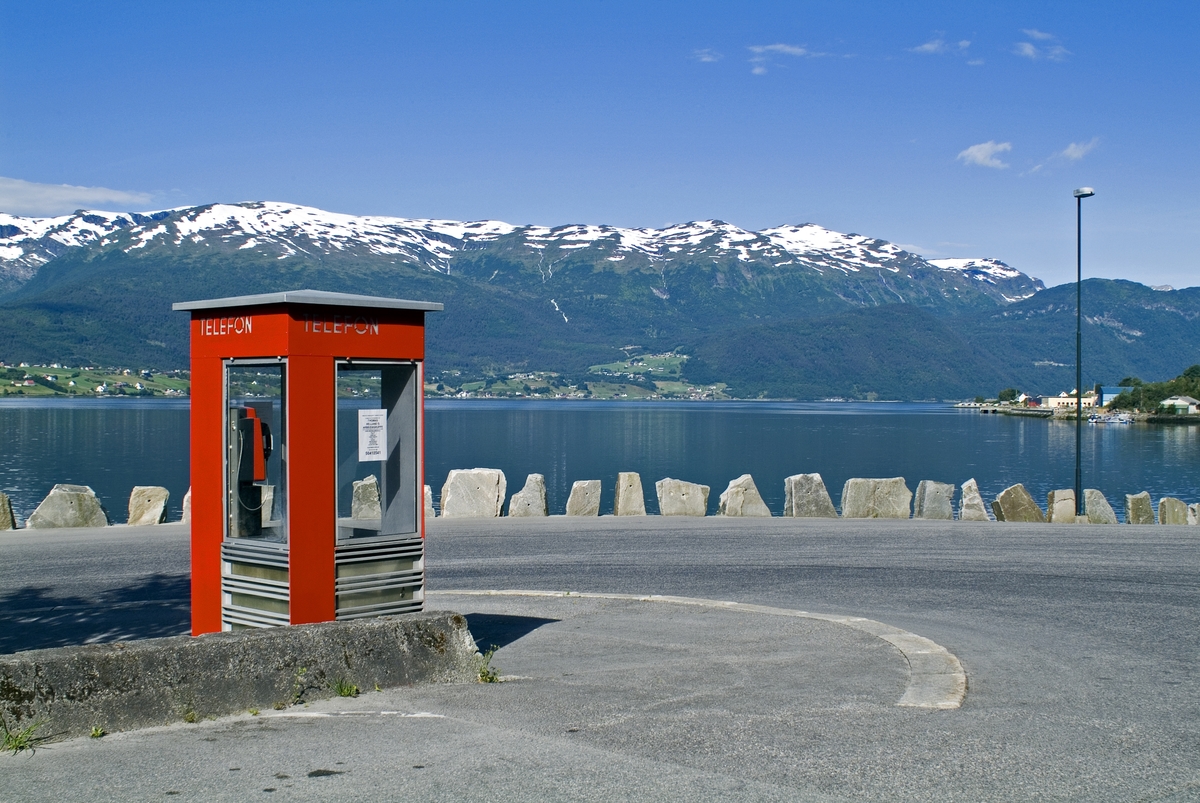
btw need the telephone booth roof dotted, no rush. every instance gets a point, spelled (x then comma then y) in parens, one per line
(316, 297)
(311, 322)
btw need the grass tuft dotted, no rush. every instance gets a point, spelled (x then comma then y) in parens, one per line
(298, 685)
(487, 672)
(17, 739)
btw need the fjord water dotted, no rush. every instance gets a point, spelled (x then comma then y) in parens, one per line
(113, 445)
(714, 442)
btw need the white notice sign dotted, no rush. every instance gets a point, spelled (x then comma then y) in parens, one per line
(372, 435)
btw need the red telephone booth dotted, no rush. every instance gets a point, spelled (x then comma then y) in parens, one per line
(307, 458)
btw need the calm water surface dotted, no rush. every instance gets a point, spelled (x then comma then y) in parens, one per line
(113, 445)
(712, 443)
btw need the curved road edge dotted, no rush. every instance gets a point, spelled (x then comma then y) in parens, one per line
(936, 678)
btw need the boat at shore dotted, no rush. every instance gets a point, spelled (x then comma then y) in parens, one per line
(1110, 418)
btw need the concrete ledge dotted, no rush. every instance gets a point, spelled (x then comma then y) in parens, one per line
(139, 684)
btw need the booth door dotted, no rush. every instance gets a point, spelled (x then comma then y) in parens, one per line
(379, 551)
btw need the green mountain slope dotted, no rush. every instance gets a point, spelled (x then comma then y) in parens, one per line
(1128, 329)
(859, 318)
(896, 351)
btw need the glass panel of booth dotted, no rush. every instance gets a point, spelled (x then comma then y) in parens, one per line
(377, 492)
(255, 458)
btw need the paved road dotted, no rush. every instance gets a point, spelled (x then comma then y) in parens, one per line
(59, 588)
(1080, 645)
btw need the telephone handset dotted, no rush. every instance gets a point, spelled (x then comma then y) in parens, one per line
(254, 446)
(250, 449)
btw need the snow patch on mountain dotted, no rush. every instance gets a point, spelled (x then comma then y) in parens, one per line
(286, 230)
(979, 267)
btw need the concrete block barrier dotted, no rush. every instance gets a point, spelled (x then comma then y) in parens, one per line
(876, 499)
(364, 500)
(530, 500)
(680, 498)
(1172, 511)
(69, 506)
(971, 506)
(742, 498)
(1015, 504)
(139, 684)
(1099, 511)
(584, 499)
(805, 496)
(148, 505)
(1060, 506)
(473, 493)
(7, 520)
(1139, 509)
(630, 500)
(934, 500)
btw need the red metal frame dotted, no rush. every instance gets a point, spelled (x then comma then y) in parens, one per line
(312, 338)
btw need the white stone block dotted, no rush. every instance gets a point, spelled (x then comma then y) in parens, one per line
(680, 498)
(473, 493)
(148, 505)
(742, 498)
(584, 499)
(530, 500)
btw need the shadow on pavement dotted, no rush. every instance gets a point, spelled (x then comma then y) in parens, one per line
(31, 619)
(159, 605)
(499, 630)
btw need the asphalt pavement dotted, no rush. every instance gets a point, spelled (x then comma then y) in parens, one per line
(1079, 644)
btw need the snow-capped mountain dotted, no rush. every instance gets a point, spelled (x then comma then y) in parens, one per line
(291, 231)
(985, 270)
(795, 311)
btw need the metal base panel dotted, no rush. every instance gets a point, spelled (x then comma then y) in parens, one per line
(380, 578)
(254, 585)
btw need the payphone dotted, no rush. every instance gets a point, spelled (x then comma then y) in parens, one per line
(250, 445)
(300, 401)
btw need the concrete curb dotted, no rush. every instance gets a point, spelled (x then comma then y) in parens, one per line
(936, 678)
(138, 684)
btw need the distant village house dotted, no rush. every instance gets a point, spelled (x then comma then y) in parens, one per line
(1068, 400)
(1183, 405)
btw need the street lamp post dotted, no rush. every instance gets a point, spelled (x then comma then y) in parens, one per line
(1080, 194)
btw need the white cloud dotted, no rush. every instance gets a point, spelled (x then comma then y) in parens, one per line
(984, 154)
(1072, 153)
(706, 54)
(791, 50)
(919, 250)
(938, 45)
(975, 62)
(932, 46)
(761, 59)
(1077, 150)
(20, 197)
(1025, 49)
(1032, 52)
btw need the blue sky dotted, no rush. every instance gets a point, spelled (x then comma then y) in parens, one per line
(954, 129)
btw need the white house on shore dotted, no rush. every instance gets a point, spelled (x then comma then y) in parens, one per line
(1068, 400)
(1182, 404)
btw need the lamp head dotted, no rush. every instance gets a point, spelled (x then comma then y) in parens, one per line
(1084, 192)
